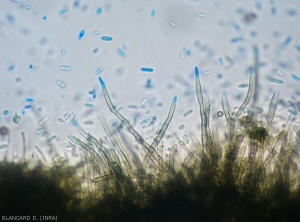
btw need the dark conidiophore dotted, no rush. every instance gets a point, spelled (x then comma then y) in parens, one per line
(251, 177)
(229, 182)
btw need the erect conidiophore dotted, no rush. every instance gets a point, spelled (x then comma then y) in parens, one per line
(114, 162)
(248, 152)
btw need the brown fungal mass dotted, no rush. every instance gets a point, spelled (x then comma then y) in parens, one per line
(258, 133)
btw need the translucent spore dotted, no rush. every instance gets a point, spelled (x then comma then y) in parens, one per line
(172, 24)
(99, 70)
(274, 80)
(121, 52)
(201, 15)
(63, 11)
(61, 83)
(99, 11)
(152, 13)
(65, 68)
(43, 120)
(107, 38)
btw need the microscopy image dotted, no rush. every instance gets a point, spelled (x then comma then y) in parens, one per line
(143, 110)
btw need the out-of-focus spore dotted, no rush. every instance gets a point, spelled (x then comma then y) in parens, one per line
(221, 61)
(99, 70)
(181, 127)
(63, 11)
(182, 55)
(242, 86)
(149, 84)
(172, 24)
(29, 100)
(96, 32)
(296, 78)
(144, 101)
(99, 11)
(279, 72)
(152, 13)
(274, 80)
(16, 118)
(16, 1)
(5, 112)
(187, 113)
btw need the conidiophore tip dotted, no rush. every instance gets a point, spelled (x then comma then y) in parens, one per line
(102, 82)
(196, 72)
(74, 122)
(174, 99)
(251, 70)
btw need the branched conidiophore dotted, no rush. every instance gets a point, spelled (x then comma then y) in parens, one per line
(246, 164)
(232, 120)
(149, 148)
